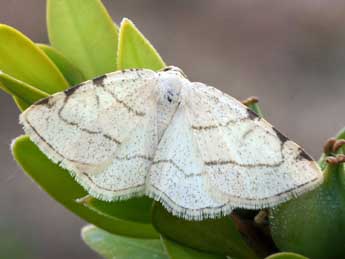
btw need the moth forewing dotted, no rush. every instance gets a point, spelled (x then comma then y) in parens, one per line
(188, 145)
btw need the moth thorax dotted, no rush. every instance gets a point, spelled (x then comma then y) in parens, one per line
(169, 100)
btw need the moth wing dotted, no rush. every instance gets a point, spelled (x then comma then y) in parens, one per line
(248, 163)
(126, 175)
(99, 130)
(176, 176)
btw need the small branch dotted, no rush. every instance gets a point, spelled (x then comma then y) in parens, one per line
(337, 145)
(256, 232)
(328, 147)
(334, 160)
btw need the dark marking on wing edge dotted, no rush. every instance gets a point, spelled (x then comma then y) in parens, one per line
(251, 114)
(281, 136)
(43, 101)
(48, 102)
(98, 81)
(71, 90)
(303, 155)
(167, 68)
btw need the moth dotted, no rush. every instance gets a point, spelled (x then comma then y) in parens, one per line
(197, 150)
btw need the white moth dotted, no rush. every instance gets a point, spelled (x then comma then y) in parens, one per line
(198, 151)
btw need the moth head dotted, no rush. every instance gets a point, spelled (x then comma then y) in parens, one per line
(171, 81)
(175, 70)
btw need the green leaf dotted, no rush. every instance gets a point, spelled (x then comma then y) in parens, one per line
(60, 185)
(119, 247)
(177, 251)
(314, 223)
(135, 209)
(22, 59)
(218, 236)
(22, 105)
(25, 92)
(135, 51)
(73, 75)
(84, 33)
(286, 255)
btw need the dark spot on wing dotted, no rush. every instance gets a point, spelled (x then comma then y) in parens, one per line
(167, 68)
(98, 81)
(71, 90)
(303, 155)
(252, 115)
(48, 102)
(282, 137)
(43, 101)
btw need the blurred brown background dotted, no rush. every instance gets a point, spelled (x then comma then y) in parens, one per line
(289, 53)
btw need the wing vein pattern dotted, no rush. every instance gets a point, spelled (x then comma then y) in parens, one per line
(120, 136)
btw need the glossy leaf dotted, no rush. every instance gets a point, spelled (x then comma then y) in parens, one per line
(314, 224)
(135, 51)
(218, 236)
(22, 105)
(25, 92)
(61, 186)
(119, 247)
(286, 255)
(135, 209)
(177, 251)
(22, 59)
(72, 74)
(84, 33)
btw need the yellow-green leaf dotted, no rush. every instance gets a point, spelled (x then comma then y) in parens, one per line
(61, 186)
(73, 75)
(22, 59)
(135, 209)
(84, 33)
(25, 92)
(135, 51)
(114, 246)
(22, 105)
(286, 255)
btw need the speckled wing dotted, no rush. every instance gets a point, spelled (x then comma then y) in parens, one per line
(176, 176)
(103, 131)
(218, 155)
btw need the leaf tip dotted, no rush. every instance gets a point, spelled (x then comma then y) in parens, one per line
(15, 144)
(127, 24)
(85, 230)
